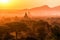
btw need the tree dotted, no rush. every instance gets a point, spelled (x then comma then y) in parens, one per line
(41, 28)
(17, 27)
(56, 32)
(3, 30)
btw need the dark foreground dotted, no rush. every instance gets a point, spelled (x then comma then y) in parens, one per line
(30, 30)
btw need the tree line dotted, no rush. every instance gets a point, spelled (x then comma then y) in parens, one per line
(40, 30)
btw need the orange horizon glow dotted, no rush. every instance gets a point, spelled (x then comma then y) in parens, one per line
(15, 6)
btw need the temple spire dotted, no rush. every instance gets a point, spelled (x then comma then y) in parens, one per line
(26, 15)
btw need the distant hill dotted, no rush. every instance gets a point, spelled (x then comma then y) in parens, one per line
(46, 11)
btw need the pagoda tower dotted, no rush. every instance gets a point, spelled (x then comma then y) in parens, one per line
(26, 15)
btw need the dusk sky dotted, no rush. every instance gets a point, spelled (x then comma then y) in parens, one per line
(23, 4)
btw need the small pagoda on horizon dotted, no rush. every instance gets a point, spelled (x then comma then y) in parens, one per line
(26, 16)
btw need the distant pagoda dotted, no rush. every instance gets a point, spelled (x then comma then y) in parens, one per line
(26, 15)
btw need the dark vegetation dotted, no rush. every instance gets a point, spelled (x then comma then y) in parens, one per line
(30, 30)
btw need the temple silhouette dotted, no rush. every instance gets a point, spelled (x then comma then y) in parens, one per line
(26, 16)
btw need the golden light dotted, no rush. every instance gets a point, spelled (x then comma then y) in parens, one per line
(4, 1)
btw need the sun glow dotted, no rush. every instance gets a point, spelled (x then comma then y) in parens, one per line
(4, 1)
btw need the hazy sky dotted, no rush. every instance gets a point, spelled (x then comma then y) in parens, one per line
(23, 4)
